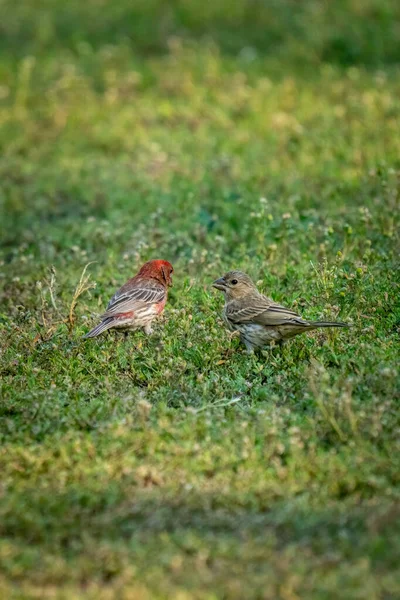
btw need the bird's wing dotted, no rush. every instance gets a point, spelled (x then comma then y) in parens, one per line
(131, 297)
(263, 311)
(279, 315)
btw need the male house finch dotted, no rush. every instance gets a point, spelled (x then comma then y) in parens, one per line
(139, 301)
(258, 319)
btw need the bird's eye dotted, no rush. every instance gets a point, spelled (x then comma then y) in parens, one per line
(234, 281)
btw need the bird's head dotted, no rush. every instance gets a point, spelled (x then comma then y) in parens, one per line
(234, 285)
(158, 269)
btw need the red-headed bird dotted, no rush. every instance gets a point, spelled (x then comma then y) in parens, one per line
(137, 303)
(259, 320)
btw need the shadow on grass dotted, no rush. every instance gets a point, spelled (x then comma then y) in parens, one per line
(194, 538)
(339, 32)
(144, 506)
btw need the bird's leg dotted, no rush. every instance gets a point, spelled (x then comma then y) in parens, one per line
(249, 347)
(234, 334)
(147, 329)
(126, 333)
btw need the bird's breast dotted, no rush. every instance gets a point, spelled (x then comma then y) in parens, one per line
(229, 323)
(160, 305)
(258, 335)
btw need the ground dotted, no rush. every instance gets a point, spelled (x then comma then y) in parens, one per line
(264, 139)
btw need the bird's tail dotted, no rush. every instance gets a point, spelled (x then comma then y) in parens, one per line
(328, 324)
(103, 326)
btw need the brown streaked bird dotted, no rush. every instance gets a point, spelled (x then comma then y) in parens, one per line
(259, 320)
(137, 303)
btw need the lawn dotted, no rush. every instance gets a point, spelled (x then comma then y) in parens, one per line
(257, 136)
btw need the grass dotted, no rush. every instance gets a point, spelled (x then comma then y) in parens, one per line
(176, 466)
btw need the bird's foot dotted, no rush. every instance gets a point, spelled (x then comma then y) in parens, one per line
(234, 334)
(249, 348)
(148, 330)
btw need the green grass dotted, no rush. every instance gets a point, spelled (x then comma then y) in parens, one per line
(176, 466)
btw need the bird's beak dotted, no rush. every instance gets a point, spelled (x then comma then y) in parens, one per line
(220, 284)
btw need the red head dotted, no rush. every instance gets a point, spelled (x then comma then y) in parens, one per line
(158, 269)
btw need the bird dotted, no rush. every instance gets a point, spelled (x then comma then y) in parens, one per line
(137, 303)
(259, 320)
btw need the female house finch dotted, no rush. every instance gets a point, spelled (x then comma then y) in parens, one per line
(139, 301)
(259, 319)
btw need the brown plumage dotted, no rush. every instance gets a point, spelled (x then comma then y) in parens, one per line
(259, 320)
(137, 303)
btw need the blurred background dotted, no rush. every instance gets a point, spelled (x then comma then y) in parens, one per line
(102, 98)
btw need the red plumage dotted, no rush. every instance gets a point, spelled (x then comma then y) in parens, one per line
(137, 303)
